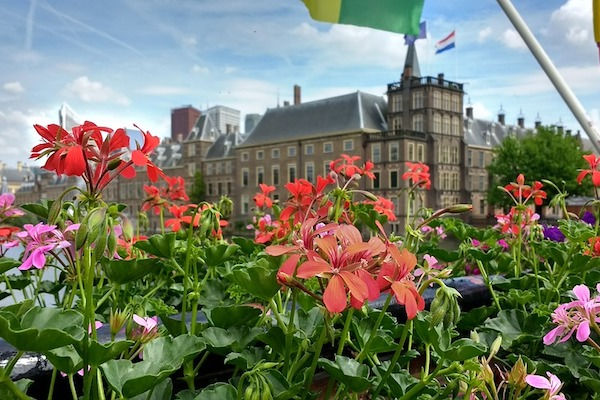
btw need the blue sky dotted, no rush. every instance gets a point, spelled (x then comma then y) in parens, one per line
(122, 62)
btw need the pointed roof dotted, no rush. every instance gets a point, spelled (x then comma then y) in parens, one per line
(412, 61)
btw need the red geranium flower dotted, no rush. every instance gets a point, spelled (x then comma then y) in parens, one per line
(179, 217)
(384, 207)
(262, 199)
(522, 191)
(175, 190)
(140, 157)
(418, 173)
(593, 162)
(154, 201)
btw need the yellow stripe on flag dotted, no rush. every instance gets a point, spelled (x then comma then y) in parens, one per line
(324, 10)
(596, 13)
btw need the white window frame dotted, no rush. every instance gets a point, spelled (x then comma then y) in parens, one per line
(260, 155)
(275, 153)
(245, 156)
(312, 166)
(348, 145)
(411, 152)
(291, 151)
(394, 145)
(376, 146)
(420, 156)
(273, 169)
(397, 178)
(289, 178)
(325, 145)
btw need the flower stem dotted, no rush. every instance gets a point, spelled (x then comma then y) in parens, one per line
(486, 279)
(365, 349)
(394, 359)
(318, 347)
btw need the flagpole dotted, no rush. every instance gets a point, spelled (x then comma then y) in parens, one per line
(551, 71)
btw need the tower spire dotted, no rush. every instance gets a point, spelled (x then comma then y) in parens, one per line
(411, 65)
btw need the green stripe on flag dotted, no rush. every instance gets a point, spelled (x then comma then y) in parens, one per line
(400, 16)
(324, 10)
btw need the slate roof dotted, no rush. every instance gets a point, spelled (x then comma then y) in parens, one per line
(353, 112)
(484, 133)
(167, 154)
(16, 175)
(223, 147)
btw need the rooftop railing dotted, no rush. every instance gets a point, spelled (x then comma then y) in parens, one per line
(423, 81)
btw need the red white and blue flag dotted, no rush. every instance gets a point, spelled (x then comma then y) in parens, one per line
(446, 43)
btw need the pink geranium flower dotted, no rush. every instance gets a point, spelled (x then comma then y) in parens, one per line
(574, 316)
(148, 323)
(551, 384)
(7, 209)
(39, 240)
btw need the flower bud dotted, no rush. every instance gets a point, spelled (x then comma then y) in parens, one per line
(516, 376)
(127, 228)
(81, 236)
(459, 208)
(117, 320)
(444, 307)
(495, 346)
(475, 336)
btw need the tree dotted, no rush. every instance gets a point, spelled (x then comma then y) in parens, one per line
(547, 154)
(197, 194)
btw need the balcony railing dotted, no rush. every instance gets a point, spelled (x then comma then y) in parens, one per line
(414, 82)
(396, 134)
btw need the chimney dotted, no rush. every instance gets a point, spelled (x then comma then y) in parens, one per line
(179, 137)
(501, 116)
(521, 122)
(297, 95)
(538, 121)
(286, 103)
(569, 132)
(440, 78)
(469, 111)
(19, 166)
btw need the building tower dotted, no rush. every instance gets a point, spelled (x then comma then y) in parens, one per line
(425, 116)
(182, 122)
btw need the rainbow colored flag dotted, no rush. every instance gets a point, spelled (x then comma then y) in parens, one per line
(400, 16)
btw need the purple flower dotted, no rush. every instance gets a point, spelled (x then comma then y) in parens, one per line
(553, 233)
(440, 231)
(502, 243)
(589, 218)
(39, 240)
(475, 242)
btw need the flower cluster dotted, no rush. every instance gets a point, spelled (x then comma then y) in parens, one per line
(95, 153)
(522, 193)
(354, 271)
(418, 175)
(577, 316)
(39, 240)
(345, 166)
(161, 198)
(517, 221)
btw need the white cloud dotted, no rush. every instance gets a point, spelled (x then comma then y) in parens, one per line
(13, 87)
(230, 70)
(17, 135)
(484, 34)
(595, 116)
(480, 111)
(575, 18)
(95, 92)
(512, 40)
(164, 90)
(199, 69)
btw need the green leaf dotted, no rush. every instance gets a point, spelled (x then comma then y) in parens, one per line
(222, 341)
(247, 359)
(6, 264)
(160, 245)
(217, 391)
(41, 329)
(347, 371)
(162, 391)
(515, 325)
(124, 271)
(37, 209)
(162, 357)
(65, 359)
(217, 254)
(257, 279)
(14, 390)
(234, 315)
(280, 387)
(99, 353)
(275, 338)
(247, 246)
(463, 349)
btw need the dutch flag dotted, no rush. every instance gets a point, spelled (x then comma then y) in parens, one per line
(446, 43)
